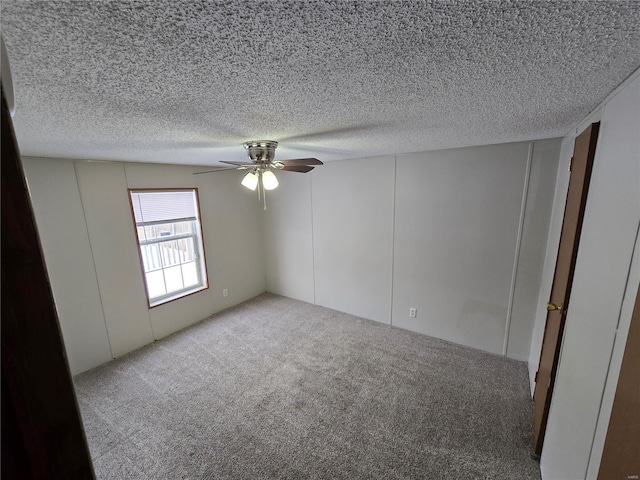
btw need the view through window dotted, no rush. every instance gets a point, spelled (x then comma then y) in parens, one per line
(170, 240)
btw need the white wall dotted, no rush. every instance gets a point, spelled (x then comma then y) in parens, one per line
(597, 319)
(438, 231)
(84, 220)
(457, 217)
(65, 243)
(103, 190)
(538, 205)
(288, 237)
(353, 236)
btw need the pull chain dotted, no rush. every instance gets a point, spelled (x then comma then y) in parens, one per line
(259, 183)
(262, 193)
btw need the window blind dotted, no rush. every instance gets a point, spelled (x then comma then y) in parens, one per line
(163, 206)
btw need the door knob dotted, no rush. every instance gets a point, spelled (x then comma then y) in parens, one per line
(552, 306)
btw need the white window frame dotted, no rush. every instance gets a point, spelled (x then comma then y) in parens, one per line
(195, 235)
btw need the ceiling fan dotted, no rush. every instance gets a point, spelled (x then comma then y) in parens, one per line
(260, 176)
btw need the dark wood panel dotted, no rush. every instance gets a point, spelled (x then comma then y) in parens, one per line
(621, 455)
(42, 434)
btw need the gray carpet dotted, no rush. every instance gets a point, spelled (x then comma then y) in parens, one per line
(277, 388)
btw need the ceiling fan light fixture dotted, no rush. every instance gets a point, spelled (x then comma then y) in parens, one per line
(269, 180)
(260, 176)
(250, 180)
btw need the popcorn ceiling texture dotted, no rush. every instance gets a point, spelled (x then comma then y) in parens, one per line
(189, 81)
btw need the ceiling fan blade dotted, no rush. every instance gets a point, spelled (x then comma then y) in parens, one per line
(297, 168)
(301, 161)
(223, 169)
(240, 164)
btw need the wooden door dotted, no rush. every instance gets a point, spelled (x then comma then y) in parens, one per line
(620, 459)
(42, 433)
(581, 166)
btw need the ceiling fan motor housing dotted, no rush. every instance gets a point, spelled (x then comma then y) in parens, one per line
(261, 151)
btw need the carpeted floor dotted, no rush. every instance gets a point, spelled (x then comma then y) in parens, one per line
(277, 388)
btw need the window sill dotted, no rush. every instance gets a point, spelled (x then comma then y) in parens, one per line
(176, 296)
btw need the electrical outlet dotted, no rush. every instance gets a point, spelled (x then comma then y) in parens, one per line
(413, 312)
(225, 292)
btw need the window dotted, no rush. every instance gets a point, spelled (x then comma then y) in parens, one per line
(170, 240)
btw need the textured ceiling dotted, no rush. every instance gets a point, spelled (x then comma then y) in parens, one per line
(189, 81)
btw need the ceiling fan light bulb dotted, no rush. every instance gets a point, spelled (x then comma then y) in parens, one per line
(250, 181)
(269, 180)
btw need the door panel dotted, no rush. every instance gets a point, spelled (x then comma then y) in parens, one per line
(581, 166)
(620, 459)
(42, 432)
